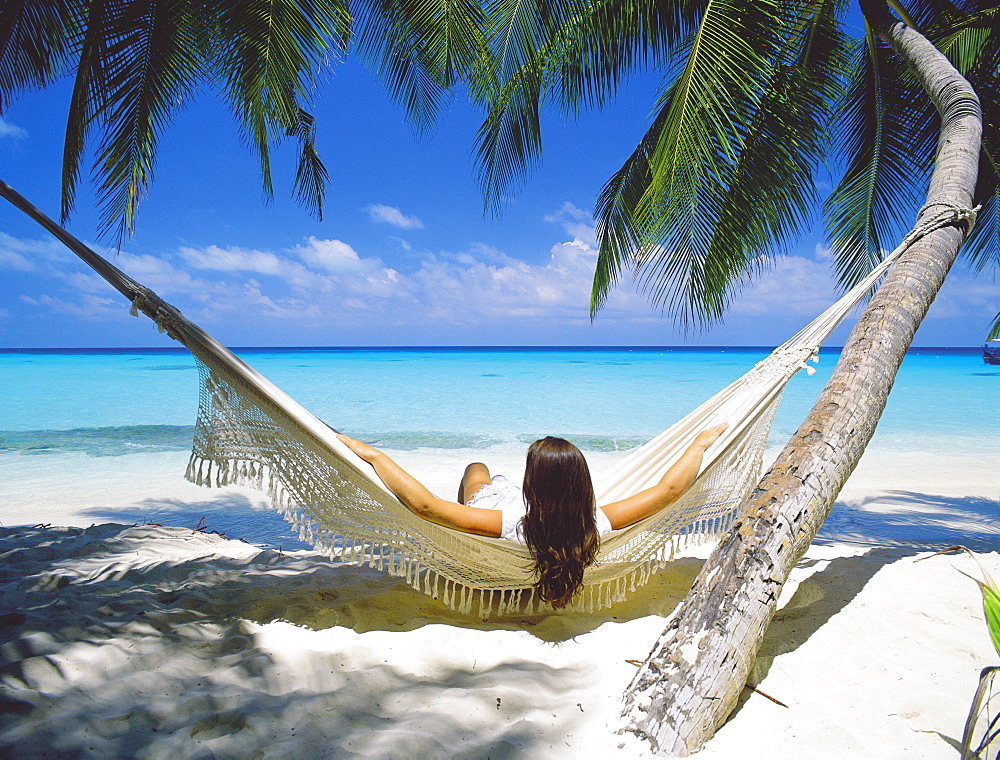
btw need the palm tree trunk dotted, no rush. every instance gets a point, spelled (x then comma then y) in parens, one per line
(693, 677)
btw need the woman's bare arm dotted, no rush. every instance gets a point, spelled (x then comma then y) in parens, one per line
(419, 500)
(671, 487)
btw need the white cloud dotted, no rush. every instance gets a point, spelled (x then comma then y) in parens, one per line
(279, 308)
(28, 255)
(324, 287)
(11, 259)
(392, 215)
(464, 289)
(232, 260)
(790, 286)
(576, 222)
(12, 130)
(85, 306)
(568, 211)
(329, 255)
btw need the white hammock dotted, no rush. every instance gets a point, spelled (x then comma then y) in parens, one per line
(249, 432)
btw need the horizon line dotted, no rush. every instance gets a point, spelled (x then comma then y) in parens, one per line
(443, 348)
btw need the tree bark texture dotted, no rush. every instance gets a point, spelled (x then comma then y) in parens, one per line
(694, 675)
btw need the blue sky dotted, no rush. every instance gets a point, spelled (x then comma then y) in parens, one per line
(404, 256)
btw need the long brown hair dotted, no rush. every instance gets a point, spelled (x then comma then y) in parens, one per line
(559, 526)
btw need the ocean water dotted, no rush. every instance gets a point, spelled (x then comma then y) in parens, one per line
(121, 402)
(72, 422)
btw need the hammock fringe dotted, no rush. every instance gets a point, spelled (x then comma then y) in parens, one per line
(392, 558)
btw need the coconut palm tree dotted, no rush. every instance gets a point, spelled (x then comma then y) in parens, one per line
(753, 97)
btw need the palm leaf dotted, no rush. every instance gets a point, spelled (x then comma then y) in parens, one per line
(311, 175)
(772, 191)
(509, 142)
(89, 91)
(595, 49)
(266, 54)
(991, 596)
(151, 69)
(419, 47)
(971, 40)
(35, 45)
(884, 172)
(521, 37)
(981, 736)
(615, 212)
(519, 29)
(994, 333)
(679, 233)
(576, 56)
(704, 114)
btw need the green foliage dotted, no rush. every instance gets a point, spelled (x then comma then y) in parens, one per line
(981, 735)
(991, 596)
(135, 63)
(757, 100)
(420, 49)
(994, 329)
(991, 606)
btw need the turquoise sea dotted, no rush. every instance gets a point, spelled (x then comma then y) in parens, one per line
(70, 415)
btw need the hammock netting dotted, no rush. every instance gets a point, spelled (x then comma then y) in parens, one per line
(243, 438)
(251, 433)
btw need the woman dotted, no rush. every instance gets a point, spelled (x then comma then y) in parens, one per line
(556, 516)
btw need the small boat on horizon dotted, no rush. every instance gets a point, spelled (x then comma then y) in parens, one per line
(991, 352)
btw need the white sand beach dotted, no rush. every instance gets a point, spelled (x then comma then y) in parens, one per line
(155, 640)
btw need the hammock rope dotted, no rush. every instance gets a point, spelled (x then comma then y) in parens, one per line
(251, 433)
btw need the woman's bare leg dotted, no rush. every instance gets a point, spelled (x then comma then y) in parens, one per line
(476, 476)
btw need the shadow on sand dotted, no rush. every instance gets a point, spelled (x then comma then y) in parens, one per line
(916, 520)
(111, 648)
(108, 641)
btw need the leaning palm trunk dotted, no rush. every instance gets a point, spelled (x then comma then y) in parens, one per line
(691, 681)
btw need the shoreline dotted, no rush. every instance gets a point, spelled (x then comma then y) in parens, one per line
(909, 497)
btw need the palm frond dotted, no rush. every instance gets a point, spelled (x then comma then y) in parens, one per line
(519, 29)
(520, 39)
(929, 13)
(735, 175)
(982, 249)
(772, 192)
(971, 40)
(592, 52)
(152, 68)
(266, 53)
(311, 176)
(615, 212)
(576, 56)
(35, 45)
(885, 169)
(705, 113)
(994, 329)
(509, 141)
(87, 99)
(420, 48)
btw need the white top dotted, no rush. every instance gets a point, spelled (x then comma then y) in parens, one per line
(501, 494)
